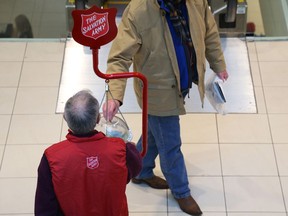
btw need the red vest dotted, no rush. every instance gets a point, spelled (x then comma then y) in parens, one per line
(89, 175)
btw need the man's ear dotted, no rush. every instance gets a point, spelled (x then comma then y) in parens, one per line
(98, 118)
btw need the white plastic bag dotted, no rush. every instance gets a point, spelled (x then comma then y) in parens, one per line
(215, 94)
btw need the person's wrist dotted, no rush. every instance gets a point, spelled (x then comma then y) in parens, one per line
(118, 103)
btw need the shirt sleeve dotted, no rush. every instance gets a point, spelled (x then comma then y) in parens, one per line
(46, 203)
(133, 161)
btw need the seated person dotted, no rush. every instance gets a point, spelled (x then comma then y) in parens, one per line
(85, 174)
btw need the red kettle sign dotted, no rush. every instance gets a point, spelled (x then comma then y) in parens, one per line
(94, 27)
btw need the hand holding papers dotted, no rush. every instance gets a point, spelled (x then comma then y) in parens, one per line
(215, 94)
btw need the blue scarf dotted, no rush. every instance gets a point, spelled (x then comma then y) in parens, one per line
(181, 28)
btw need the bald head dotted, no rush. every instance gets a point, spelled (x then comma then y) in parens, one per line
(81, 112)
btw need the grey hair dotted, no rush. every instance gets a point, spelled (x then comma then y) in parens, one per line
(81, 112)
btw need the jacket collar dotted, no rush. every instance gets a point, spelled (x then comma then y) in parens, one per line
(91, 136)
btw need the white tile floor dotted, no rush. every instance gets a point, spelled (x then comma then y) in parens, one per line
(237, 164)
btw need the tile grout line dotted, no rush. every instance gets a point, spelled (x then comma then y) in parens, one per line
(222, 176)
(270, 130)
(12, 112)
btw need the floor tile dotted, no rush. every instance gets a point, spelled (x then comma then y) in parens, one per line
(44, 51)
(241, 128)
(202, 159)
(148, 214)
(251, 45)
(17, 214)
(12, 51)
(276, 99)
(154, 201)
(80, 74)
(208, 193)
(64, 130)
(281, 151)
(17, 195)
(41, 74)
(248, 160)
(10, 73)
(204, 213)
(255, 72)
(240, 99)
(256, 214)
(35, 129)
(21, 160)
(253, 194)
(284, 182)
(198, 128)
(33, 100)
(259, 95)
(272, 51)
(274, 73)
(4, 127)
(7, 98)
(1, 155)
(279, 127)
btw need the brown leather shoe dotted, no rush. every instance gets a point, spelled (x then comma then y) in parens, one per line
(154, 182)
(189, 206)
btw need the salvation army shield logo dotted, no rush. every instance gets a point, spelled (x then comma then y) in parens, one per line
(92, 162)
(95, 25)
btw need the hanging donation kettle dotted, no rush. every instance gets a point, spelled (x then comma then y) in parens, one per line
(115, 128)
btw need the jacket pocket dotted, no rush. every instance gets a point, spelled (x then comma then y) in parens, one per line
(160, 99)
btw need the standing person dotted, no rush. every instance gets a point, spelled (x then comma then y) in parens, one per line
(87, 173)
(168, 41)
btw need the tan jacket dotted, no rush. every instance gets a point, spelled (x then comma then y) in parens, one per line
(144, 39)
